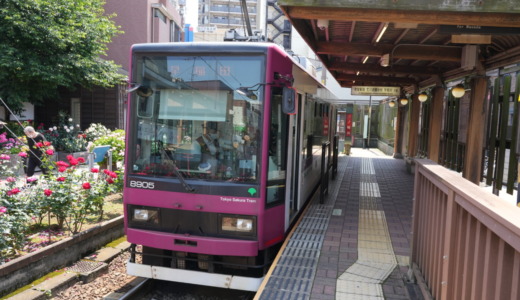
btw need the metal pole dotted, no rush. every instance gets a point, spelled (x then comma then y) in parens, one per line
(518, 186)
(369, 119)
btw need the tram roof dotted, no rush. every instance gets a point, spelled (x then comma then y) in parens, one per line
(187, 47)
(426, 42)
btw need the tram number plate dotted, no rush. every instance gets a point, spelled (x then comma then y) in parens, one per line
(142, 184)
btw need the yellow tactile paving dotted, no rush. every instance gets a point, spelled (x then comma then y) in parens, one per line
(358, 297)
(367, 167)
(369, 189)
(377, 245)
(376, 258)
(373, 273)
(360, 288)
(403, 260)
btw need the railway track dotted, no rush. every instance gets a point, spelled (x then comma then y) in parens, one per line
(149, 289)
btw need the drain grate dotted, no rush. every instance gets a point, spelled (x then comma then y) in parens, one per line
(291, 284)
(84, 266)
(305, 244)
(307, 237)
(281, 294)
(301, 252)
(297, 262)
(304, 273)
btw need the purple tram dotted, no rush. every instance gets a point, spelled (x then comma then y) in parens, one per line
(224, 144)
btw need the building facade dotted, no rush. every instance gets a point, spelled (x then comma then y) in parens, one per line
(142, 21)
(217, 17)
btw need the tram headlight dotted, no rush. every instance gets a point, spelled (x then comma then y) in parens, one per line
(238, 224)
(146, 215)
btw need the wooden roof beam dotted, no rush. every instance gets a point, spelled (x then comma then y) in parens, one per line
(349, 84)
(397, 16)
(401, 51)
(380, 79)
(395, 69)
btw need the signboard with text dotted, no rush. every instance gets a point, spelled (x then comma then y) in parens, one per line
(376, 90)
(477, 29)
(348, 127)
(325, 125)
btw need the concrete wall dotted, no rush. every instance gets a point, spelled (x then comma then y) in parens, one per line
(24, 270)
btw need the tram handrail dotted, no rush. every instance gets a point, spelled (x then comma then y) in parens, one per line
(466, 241)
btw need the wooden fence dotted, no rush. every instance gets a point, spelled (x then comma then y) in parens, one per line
(466, 241)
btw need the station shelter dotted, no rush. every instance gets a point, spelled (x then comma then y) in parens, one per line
(451, 71)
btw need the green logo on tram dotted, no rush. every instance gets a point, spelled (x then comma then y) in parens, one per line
(251, 191)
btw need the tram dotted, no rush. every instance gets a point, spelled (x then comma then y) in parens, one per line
(224, 144)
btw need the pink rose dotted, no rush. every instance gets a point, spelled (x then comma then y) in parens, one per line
(13, 192)
(62, 164)
(73, 161)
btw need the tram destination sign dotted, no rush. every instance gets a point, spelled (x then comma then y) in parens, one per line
(376, 90)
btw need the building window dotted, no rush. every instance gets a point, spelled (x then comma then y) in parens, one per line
(160, 15)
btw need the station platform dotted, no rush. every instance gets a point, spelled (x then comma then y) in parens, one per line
(356, 245)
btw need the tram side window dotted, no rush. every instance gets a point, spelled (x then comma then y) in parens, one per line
(277, 164)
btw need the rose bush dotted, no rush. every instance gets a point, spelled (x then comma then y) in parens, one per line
(66, 136)
(116, 140)
(68, 193)
(11, 145)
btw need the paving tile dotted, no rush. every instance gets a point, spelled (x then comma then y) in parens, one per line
(358, 243)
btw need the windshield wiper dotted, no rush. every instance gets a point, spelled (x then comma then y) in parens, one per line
(184, 184)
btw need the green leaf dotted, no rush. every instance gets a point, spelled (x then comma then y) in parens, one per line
(51, 43)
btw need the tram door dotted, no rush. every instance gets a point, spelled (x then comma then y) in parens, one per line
(294, 135)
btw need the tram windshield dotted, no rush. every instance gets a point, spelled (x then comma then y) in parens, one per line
(197, 117)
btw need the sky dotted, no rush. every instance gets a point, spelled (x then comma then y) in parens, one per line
(191, 16)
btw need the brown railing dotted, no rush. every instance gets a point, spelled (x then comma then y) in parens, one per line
(466, 241)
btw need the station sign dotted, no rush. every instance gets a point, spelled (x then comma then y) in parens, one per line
(476, 29)
(376, 90)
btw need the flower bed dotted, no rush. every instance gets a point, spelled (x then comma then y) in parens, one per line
(65, 200)
(25, 269)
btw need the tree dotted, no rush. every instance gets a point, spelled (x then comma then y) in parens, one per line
(46, 44)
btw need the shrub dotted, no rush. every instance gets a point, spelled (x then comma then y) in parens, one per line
(116, 140)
